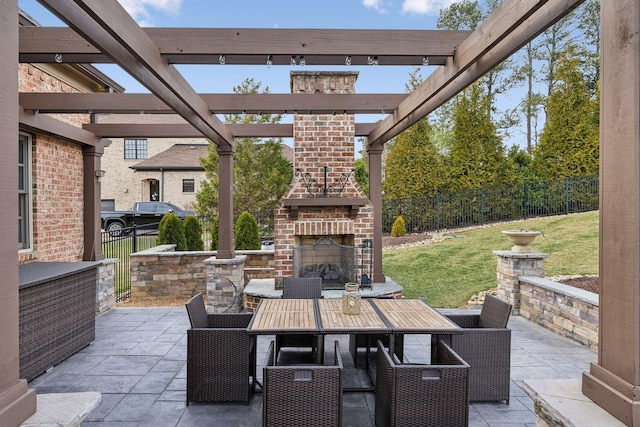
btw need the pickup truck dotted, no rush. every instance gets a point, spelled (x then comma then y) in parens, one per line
(142, 213)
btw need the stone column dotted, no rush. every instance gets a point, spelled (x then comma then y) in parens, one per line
(17, 402)
(512, 265)
(614, 382)
(222, 295)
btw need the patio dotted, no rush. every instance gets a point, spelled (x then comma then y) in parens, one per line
(138, 363)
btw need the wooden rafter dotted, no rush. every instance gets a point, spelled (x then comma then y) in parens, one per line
(128, 103)
(278, 130)
(41, 123)
(108, 25)
(250, 46)
(510, 27)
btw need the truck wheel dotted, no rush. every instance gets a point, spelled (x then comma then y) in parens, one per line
(115, 229)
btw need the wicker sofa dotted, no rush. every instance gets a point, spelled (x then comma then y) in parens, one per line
(220, 355)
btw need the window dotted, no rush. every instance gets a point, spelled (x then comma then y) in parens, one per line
(24, 192)
(188, 186)
(135, 148)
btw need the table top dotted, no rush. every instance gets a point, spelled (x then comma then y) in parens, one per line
(284, 315)
(335, 321)
(414, 316)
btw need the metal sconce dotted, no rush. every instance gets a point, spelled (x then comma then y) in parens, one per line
(99, 174)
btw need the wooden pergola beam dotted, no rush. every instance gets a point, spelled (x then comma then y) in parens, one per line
(510, 27)
(118, 130)
(131, 103)
(43, 124)
(108, 25)
(250, 46)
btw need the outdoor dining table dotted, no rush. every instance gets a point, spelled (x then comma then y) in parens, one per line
(394, 317)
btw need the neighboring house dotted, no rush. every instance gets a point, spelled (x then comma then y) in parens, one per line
(163, 169)
(52, 192)
(140, 169)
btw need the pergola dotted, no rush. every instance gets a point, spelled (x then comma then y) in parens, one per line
(102, 32)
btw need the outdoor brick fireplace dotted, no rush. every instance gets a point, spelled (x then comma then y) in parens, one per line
(323, 201)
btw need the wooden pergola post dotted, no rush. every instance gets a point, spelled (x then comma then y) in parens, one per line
(614, 382)
(375, 196)
(226, 247)
(17, 402)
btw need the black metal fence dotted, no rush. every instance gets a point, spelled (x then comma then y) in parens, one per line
(484, 206)
(120, 245)
(442, 211)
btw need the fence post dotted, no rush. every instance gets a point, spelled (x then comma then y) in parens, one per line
(135, 239)
(524, 202)
(566, 192)
(438, 207)
(482, 206)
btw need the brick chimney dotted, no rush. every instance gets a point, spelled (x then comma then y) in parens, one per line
(321, 141)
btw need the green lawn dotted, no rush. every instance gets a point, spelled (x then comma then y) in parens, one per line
(447, 273)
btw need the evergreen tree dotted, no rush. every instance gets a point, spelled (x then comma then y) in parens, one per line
(247, 235)
(569, 144)
(193, 234)
(413, 167)
(477, 157)
(171, 231)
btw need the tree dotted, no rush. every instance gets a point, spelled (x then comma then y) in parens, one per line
(361, 168)
(413, 167)
(477, 157)
(171, 231)
(412, 163)
(247, 235)
(193, 234)
(261, 173)
(569, 144)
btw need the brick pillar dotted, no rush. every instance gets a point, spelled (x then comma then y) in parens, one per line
(512, 265)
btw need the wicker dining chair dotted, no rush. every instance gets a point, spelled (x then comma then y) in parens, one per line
(486, 345)
(220, 355)
(301, 288)
(302, 395)
(427, 395)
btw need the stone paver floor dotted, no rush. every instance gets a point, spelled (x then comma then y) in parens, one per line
(138, 364)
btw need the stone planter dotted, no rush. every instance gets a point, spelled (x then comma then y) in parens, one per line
(521, 239)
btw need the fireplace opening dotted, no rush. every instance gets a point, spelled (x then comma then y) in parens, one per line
(334, 262)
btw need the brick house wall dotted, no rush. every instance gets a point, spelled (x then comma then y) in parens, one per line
(57, 177)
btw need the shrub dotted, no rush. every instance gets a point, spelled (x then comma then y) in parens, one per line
(193, 234)
(214, 235)
(247, 234)
(171, 231)
(399, 227)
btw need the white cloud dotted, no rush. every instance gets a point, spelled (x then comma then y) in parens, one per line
(139, 9)
(377, 5)
(425, 7)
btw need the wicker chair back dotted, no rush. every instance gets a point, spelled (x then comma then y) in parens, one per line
(495, 313)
